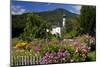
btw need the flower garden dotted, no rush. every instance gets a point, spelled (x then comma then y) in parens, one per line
(78, 49)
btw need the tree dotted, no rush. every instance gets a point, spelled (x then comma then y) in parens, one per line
(72, 27)
(88, 19)
(35, 27)
(18, 24)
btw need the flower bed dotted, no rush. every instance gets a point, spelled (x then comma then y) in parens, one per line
(78, 49)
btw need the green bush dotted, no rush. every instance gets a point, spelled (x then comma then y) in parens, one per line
(92, 56)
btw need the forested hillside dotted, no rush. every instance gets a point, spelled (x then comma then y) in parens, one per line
(52, 17)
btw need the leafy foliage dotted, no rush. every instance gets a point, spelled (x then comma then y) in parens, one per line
(72, 28)
(35, 28)
(88, 19)
(18, 24)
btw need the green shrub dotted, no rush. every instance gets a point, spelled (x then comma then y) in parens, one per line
(92, 56)
(71, 48)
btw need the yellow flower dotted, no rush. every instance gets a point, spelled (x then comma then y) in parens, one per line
(24, 43)
(21, 44)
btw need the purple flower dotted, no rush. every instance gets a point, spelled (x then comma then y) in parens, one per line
(44, 60)
(61, 54)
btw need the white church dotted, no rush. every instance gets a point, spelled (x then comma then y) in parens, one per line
(56, 29)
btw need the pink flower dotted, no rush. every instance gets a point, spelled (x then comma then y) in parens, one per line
(37, 49)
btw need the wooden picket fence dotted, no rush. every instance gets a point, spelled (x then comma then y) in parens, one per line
(25, 60)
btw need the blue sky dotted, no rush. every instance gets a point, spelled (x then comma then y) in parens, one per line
(20, 7)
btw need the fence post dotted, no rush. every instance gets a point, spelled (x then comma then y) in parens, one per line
(25, 60)
(30, 60)
(22, 60)
(36, 59)
(19, 60)
(16, 60)
(33, 59)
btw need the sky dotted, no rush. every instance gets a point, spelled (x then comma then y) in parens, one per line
(20, 7)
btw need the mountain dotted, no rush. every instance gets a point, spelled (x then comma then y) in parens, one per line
(56, 15)
(52, 16)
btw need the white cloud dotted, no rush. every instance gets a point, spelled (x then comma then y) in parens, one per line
(17, 10)
(76, 9)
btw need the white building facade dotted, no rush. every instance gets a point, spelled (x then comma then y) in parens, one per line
(57, 30)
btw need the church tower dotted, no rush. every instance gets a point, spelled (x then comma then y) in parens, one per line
(64, 20)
